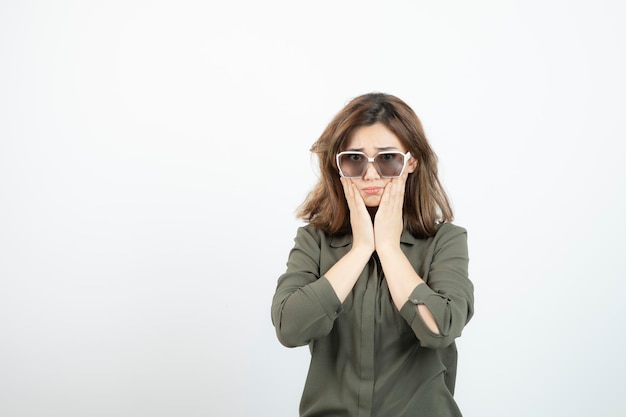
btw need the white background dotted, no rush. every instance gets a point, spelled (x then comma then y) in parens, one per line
(152, 155)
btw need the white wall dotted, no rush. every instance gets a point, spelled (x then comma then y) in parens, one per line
(152, 154)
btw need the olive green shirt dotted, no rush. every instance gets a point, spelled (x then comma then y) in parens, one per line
(368, 358)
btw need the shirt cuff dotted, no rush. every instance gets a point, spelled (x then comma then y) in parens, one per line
(417, 296)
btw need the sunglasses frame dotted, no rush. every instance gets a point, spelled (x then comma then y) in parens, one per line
(372, 160)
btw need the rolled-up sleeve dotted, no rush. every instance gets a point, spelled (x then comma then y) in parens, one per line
(448, 292)
(305, 305)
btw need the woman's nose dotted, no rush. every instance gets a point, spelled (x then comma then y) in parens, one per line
(371, 173)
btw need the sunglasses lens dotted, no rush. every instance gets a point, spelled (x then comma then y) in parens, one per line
(353, 164)
(390, 164)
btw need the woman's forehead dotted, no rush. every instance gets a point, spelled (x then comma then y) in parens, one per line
(373, 138)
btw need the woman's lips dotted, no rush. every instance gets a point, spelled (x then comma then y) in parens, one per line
(372, 190)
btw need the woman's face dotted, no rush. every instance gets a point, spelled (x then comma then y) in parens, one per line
(371, 140)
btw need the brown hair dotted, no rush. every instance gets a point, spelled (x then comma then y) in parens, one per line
(425, 201)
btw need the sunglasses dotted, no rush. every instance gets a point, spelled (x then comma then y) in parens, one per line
(388, 164)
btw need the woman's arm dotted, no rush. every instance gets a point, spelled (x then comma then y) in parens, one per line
(344, 274)
(437, 312)
(306, 303)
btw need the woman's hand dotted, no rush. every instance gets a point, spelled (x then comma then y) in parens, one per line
(362, 228)
(347, 270)
(388, 223)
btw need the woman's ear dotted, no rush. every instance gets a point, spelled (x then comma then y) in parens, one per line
(411, 165)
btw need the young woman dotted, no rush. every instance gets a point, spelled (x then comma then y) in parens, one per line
(377, 283)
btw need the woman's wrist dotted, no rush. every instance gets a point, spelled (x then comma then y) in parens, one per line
(385, 250)
(362, 251)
